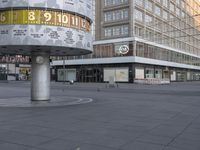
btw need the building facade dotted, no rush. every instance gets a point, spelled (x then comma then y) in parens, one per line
(139, 39)
(16, 67)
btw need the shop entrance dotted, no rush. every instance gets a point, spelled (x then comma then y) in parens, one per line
(89, 74)
(3, 74)
(181, 76)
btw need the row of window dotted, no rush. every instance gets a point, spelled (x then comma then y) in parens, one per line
(116, 15)
(148, 51)
(180, 30)
(165, 3)
(140, 16)
(142, 50)
(116, 31)
(191, 7)
(175, 75)
(114, 2)
(158, 11)
(187, 43)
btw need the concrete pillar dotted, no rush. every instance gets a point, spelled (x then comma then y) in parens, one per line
(40, 84)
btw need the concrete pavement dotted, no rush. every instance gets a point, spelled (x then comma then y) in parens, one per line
(131, 117)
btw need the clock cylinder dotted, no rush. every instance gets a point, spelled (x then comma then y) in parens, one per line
(59, 27)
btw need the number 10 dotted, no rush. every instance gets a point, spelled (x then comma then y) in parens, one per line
(63, 18)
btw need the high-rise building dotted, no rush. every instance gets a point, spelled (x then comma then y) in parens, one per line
(141, 39)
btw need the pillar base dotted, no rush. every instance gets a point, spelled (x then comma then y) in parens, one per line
(40, 84)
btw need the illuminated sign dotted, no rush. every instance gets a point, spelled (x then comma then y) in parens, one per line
(124, 49)
(44, 17)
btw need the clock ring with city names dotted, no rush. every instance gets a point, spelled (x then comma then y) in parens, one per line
(44, 17)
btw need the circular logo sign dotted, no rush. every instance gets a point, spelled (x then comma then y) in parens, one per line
(124, 49)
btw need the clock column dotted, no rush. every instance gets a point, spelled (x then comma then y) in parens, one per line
(40, 87)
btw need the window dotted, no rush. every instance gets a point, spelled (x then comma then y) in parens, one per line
(148, 5)
(124, 30)
(116, 31)
(107, 17)
(172, 7)
(158, 10)
(182, 14)
(165, 15)
(165, 3)
(108, 32)
(177, 2)
(159, 1)
(139, 15)
(177, 11)
(116, 15)
(139, 2)
(114, 2)
(148, 19)
(182, 4)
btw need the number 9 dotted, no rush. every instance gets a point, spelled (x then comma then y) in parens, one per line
(47, 16)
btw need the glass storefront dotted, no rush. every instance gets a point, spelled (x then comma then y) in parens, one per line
(123, 73)
(3, 74)
(181, 76)
(66, 74)
(119, 74)
(149, 72)
(158, 73)
(25, 73)
(89, 74)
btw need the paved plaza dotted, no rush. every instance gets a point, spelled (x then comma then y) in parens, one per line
(130, 117)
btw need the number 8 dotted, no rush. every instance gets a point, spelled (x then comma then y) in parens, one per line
(31, 16)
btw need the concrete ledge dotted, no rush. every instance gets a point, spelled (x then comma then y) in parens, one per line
(3, 81)
(152, 81)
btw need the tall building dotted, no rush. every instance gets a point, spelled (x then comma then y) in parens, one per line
(141, 39)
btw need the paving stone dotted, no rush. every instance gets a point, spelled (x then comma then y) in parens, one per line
(142, 146)
(23, 139)
(171, 148)
(11, 146)
(96, 139)
(160, 140)
(59, 144)
(167, 131)
(186, 144)
(92, 147)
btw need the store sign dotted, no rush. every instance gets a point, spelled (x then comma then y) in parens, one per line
(14, 59)
(124, 49)
(44, 17)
